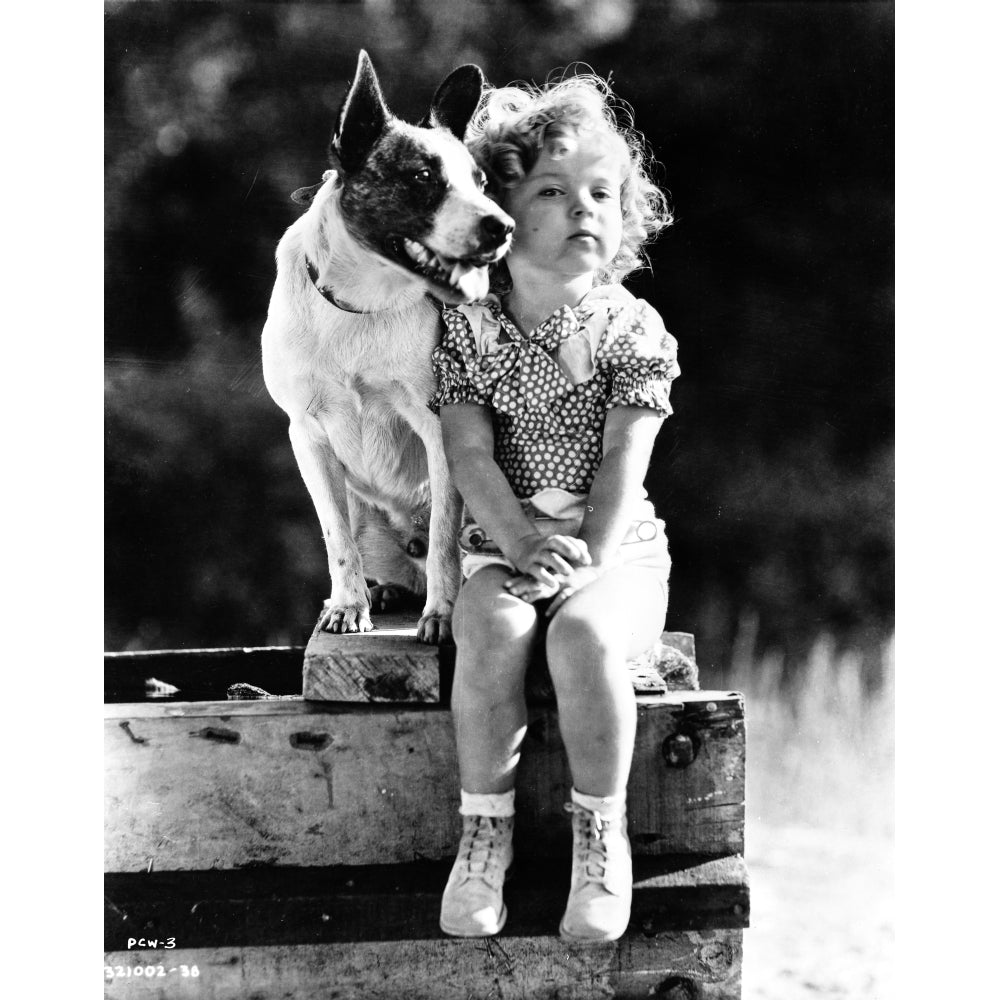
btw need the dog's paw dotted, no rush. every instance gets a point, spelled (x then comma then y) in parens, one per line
(434, 627)
(338, 618)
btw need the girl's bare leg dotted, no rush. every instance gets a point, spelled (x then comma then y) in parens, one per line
(494, 635)
(589, 640)
(494, 632)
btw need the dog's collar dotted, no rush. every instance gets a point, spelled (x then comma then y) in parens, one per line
(325, 292)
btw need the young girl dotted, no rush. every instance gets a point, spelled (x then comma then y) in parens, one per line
(550, 397)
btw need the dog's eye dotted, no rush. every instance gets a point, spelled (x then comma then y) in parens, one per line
(422, 176)
(480, 179)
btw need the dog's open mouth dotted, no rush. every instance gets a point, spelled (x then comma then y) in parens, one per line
(463, 277)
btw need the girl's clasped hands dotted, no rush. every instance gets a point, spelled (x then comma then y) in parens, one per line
(555, 567)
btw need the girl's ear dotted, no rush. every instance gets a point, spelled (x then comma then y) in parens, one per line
(456, 100)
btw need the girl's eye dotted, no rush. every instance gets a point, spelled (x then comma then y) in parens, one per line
(602, 195)
(549, 192)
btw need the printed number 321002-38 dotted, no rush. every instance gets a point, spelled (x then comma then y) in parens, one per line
(149, 971)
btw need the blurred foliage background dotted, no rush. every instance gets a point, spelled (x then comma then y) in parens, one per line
(772, 124)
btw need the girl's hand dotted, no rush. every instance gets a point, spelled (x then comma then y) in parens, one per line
(528, 589)
(575, 581)
(549, 560)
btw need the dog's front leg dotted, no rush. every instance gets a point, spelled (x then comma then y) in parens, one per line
(443, 565)
(348, 609)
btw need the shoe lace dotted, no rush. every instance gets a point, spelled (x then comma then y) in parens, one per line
(478, 848)
(591, 845)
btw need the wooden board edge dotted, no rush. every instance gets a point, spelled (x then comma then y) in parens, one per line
(300, 706)
(707, 964)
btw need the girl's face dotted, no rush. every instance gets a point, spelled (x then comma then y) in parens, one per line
(568, 209)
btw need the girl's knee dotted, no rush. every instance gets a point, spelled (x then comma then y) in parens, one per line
(495, 637)
(613, 620)
(573, 637)
(485, 614)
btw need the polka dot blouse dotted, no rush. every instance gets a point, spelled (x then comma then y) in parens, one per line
(550, 390)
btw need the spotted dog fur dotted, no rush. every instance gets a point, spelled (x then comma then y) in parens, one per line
(400, 218)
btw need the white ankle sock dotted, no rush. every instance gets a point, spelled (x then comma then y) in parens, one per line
(498, 805)
(609, 805)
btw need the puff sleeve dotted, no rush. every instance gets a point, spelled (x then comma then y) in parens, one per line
(453, 363)
(640, 358)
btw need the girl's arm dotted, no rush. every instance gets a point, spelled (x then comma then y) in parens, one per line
(629, 433)
(467, 429)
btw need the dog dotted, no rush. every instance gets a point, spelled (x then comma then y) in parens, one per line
(401, 216)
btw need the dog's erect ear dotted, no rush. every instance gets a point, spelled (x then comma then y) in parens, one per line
(363, 116)
(456, 100)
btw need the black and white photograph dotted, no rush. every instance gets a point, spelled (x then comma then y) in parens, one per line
(499, 500)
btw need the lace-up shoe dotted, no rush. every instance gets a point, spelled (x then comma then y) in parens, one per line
(472, 905)
(600, 893)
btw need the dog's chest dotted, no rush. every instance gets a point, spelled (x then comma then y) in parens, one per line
(362, 417)
(359, 398)
(379, 351)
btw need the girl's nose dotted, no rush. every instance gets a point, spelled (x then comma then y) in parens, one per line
(582, 206)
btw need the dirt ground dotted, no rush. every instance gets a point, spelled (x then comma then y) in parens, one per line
(821, 915)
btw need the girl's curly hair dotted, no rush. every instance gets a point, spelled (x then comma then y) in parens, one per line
(513, 124)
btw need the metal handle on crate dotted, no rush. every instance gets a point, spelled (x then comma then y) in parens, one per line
(680, 749)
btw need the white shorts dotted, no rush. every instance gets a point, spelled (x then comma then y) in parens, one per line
(556, 512)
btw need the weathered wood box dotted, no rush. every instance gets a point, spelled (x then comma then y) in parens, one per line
(288, 847)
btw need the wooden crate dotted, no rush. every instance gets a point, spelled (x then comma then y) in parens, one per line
(298, 848)
(196, 785)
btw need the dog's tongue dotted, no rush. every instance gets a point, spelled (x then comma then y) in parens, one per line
(470, 282)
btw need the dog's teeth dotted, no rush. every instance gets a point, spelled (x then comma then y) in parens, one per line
(417, 251)
(470, 281)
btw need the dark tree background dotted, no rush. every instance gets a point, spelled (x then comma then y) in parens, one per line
(773, 127)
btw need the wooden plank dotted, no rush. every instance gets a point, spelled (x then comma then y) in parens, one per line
(388, 665)
(279, 906)
(299, 707)
(391, 665)
(230, 784)
(695, 965)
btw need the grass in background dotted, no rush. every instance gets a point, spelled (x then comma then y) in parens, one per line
(820, 764)
(819, 737)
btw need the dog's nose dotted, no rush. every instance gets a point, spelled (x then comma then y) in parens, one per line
(495, 229)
